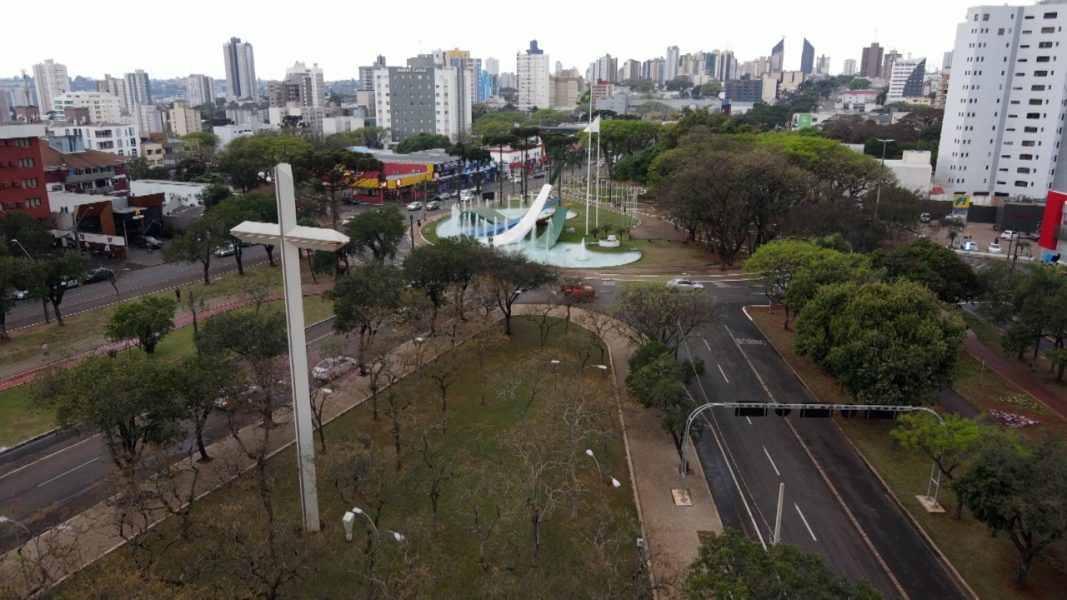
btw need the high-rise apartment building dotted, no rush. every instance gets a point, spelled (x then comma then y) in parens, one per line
(807, 58)
(906, 79)
(671, 67)
(50, 80)
(946, 76)
(887, 64)
(184, 119)
(102, 107)
(138, 90)
(411, 100)
(532, 74)
(114, 86)
(240, 69)
(200, 89)
(871, 61)
(631, 69)
(850, 67)
(778, 57)
(603, 69)
(1006, 103)
(822, 66)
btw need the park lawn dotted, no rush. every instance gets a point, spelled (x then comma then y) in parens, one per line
(486, 473)
(20, 419)
(985, 389)
(986, 563)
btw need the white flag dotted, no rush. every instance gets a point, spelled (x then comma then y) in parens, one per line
(593, 127)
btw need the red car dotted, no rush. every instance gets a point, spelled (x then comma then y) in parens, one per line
(579, 291)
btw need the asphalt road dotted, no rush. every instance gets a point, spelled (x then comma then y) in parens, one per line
(833, 504)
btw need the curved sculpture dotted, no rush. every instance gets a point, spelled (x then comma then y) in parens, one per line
(519, 230)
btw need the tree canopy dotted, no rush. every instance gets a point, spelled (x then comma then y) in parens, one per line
(147, 320)
(377, 232)
(422, 141)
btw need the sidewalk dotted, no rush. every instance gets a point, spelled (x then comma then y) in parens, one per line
(670, 532)
(1015, 373)
(28, 370)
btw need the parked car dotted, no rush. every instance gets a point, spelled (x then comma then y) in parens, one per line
(98, 274)
(70, 282)
(333, 367)
(924, 218)
(684, 284)
(433, 205)
(1008, 234)
(579, 291)
(969, 245)
(994, 247)
(466, 195)
(415, 206)
(147, 242)
(17, 294)
(227, 250)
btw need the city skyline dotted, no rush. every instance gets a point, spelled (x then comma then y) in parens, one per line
(340, 51)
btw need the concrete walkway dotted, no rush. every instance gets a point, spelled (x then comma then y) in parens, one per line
(670, 532)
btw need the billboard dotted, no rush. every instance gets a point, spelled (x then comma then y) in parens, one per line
(803, 121)
(961, 203)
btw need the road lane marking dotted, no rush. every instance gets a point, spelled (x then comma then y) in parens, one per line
(723, 372)
(45, 457)
(749, 420)
(706, 344)
(68, 471)
(771, 460)
(810, 532)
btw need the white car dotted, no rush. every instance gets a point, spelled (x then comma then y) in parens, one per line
(1008, 234)
(415, 206)
(333, 367)
(994, 247)
(227, 250)
(20, 294)
(684, 284)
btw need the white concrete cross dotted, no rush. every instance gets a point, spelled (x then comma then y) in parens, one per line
(291, 238)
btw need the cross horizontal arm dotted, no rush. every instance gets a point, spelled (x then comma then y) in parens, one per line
(315, 238)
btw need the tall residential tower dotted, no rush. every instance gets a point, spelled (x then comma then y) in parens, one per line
(240, 69)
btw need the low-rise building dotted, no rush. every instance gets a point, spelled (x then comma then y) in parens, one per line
(84, 172)
(184, 119)
(913, 171)
(102, 106)
(115, 138)
(22, 177)
(177, 195)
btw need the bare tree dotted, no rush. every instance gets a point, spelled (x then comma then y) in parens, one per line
(539, 481)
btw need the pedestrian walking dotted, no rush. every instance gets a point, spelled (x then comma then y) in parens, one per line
(178, 294)
(44, 350)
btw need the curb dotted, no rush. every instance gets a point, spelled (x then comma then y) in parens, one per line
(31, 440)
(959, 580)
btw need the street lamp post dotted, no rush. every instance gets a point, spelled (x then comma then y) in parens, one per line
(291, 238)
(5, 519)
(615, 483)
(27, 253)
(878, 195)
(349, 518)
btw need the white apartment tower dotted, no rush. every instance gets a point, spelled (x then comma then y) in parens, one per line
(532, 74)
(240, 69)
(906, 79)
(424, 99)
(673, 56)
(137, 89)
(850, 67)
(200, 89)
(1004, 110)
(103, 107)
(50, 78)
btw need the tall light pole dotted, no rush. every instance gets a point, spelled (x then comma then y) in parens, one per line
(291, 238)
(26, 252)
(29, 534)
(878, 195)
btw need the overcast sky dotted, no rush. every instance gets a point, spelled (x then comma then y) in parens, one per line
(176, 39)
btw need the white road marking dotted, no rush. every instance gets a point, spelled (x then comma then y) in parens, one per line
(706, 344)
(722, 372)
(810, 532)
(68, 471)
(46, 457)
(771, 460)
(749, 420)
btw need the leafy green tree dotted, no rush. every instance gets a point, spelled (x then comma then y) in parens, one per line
(335, 169)
(950, 445)
(845, 173)
(137, 168)
(859, 84)
(731, 565)
(657, 379)
(933, 265)
(198, 382)
(510, 274)
(247, 157)
(123, 399)
(779, 263)
(433, 269)
(197, 243)
(214, 194)
(656, 312)
(201, 145)
(148, 320)
(1019, 491)
(422, 141)
(30, 233)
(52, 274)
(13, 271)
(885, 343)
(378, 232)
(259, 339)
(371, 137)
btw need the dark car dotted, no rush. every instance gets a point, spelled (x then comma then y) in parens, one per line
(98, 274)
(148, 242)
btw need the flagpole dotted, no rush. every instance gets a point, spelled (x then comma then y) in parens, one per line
(589, 160)
(597, 225)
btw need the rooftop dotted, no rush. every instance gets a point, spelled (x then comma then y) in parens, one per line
(10, 131)
(54, 159)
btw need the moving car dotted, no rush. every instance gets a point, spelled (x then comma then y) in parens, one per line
(333, 367)
(579, 291)
(466, 195)
(227, 250)
(20, 294)
(98, 274)
(70, 282)
(415, 206)
(147, 242)
(684, 284)
(433, 205)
